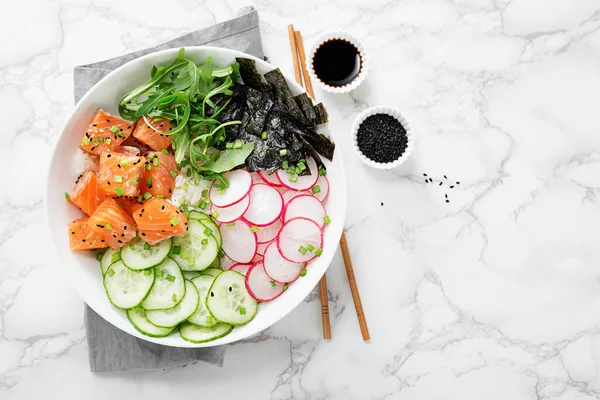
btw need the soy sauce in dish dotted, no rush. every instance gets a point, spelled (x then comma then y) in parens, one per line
(337, 62)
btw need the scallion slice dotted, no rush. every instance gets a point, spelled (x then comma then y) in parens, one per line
(322, 171)
(315, 189)
(238, 145)
(170, 278)
(147, 246)
(155, 162)
(302, 250)
(110, 272)
(124, 163)
(303, 272)
(147, 196)
(118, 179)
(264, 135)
(174, 221)
(229, 145)
(148, 167)
(114, 129)
(85, 141)
(242, 312)
(108, 227)
(326, 219)
(148, 181)
(67, 196)
(120, 191)
(293, 178)
(164, 151)
(202, 205)
(273, 283)
(254, 229)
(318, 252)
(309, 247)
(176, 249)
(204, 242)
(151, 155)
(215, 214)
(134, 181)
(283, 152)
(173, 173)
(115, 257)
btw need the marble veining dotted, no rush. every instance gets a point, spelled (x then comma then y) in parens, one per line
(494, 295)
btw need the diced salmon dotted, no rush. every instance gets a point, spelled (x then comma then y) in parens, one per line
(159, 176)
(128, 203)
(120, 171)
(133, 142)
(113, 223)
(157, 220)
(151, 135)
(86, 194)
(98, 137)
(81, 237)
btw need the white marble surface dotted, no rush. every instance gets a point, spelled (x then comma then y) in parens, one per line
(495, 295)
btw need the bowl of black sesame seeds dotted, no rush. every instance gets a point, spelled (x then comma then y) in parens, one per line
(382, 137)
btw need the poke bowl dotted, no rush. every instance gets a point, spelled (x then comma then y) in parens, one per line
(195, 196)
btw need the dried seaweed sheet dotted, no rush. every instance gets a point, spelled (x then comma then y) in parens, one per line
(250, 75)
(321, 116)
(306, 105)
(255, 115)
(234, 111)
(277, 81)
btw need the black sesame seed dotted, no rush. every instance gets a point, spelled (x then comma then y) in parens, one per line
(162, 208)
(440, 184)
(119, 241)
(445, 177)
(108, 155)
(452, 187)
(382, 204)
(447, 201)
(230, 289)
(458, 183)
(143, 234)
(108, 120)
(424, 174)
(94, 125)
(83, 240)
(212, 294)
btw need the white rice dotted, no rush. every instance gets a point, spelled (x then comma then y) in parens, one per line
(186, 191)
(85, 161)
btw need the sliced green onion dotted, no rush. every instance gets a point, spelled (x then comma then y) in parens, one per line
(285, 286)
(209, 319)
(293, 178)
(108, 142)
(164, 151)
(283, 152)
(315, 189)
(67, 196)
(140, 198)
(264, 135)
(95, 142)
(110, 272)
(147, 196)
(120, 191)
(176, 249)
(159, 196)
(326, 219)
(303, 272)
(151, 155)
(302, 250)
(237, 145)
(204, 192)
(207, 231)
(148, 181)
(230, 224)
(134, 181)
(185, 207)
(204, 242)
(100, 139)
(118, 179)
(115, 257)
(229, 145)
(202, 205)
(191, 261)
(182, 200)
(119, 134)
(147, 272)
(147, 246)
(148, 167)
(221, 191)
(174, 221)
(291, 170)
(99, 256)
(215, 214)
(322, 171)
(309, 247)
(174, 297)
(131, 247)
(114, 129)
(254, 229)
(273, 283)
(108, 227)
(170, 278)
(285, 165)
(155, 162)
(85, 141)
(318, 252)
(173, 173)
(242, 310)
(301, 166)
(186, 186)
(124, 163)
(298, 171)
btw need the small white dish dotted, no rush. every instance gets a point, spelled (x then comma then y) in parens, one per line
(394, 113)
(329, 35)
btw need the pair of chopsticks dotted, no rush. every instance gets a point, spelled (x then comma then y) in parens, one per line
(299, 60)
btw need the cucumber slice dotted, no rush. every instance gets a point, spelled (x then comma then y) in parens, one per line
(193, 255)
(172, 317)
(212, 271)
(209, 222)
(190, 274)
(229, 301)
(197, 334)
(168, 289)
(138, 255)
(107, 259)
(202, 317)
(138, 319)
(125, 287)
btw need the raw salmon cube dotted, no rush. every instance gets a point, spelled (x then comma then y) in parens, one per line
(120, 171)
(159, 174)
(104, 132)
(113, 223)
(87, 194)
(157, 220)
(81, 237)
(148, 132)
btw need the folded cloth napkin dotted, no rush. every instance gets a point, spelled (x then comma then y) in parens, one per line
(109, 348)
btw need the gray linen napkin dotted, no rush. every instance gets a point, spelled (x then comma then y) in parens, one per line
(109, 348)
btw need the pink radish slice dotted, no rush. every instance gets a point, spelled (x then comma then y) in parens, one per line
(240, 183)
(304, 182)
(269, 179)
(227, 262)
(262, 247)
(267, 233)
(265, 207)
(259, 284)
(278, 268)
(290, 194)
(241, 268)
(257, 258)
(306, 206)
(297, 233)
(323, 184)
(239, 242)
(256, 178)
(231, 213)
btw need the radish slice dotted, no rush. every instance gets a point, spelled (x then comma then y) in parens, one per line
(257, 258)
(239, 242)
(304, 182)
(259, 284)
(289, 195)
(267, 233)
(241, 268)
(270, 180)
(298, 233)
(262, 247)
(281, 189)
(323, 184)
(278, 268)
(265, 207)
(240, 183)
(306, 206)
(226, 262)
(231, 213)
(256, 178)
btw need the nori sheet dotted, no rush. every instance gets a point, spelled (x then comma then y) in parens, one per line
(321, 116)
(277, 81)
(234, 111)
(306, 105)
(250, 75)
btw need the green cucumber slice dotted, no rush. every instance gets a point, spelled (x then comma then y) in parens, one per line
(168, 289)
(172, 317)
(228, 300)
(190, 274)
(202, 317)
(138, 319)
(212, 271)
(199, 215)
(125, 287)
(193, 255)
(137, 255)
(198, 334)
(106, 259)
(209, 223)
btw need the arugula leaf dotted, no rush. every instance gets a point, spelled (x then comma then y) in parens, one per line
(230, 158)
(181, 141)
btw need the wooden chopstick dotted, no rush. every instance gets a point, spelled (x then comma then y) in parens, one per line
(323, 282)
(362, 322)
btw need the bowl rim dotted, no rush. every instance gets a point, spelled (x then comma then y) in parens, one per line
(293, 302)
(383, 109)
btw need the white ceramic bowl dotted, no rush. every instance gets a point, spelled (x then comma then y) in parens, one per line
(394, 113)
(361, 49)
(83, 269)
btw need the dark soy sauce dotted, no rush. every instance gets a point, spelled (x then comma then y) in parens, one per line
(337, 62)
